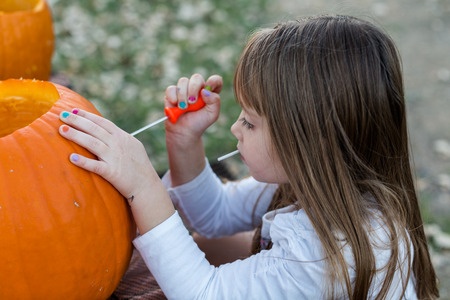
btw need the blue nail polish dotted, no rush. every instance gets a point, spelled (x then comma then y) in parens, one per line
(65, 114)
(182, 105)
(74, 157)
(206, 93)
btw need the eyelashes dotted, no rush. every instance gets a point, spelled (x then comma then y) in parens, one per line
(246, 123)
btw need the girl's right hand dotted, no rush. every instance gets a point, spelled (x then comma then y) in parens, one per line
(122, 160)
(186, 92)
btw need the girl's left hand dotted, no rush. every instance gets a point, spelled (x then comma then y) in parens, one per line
(122, 159)
(187, 90)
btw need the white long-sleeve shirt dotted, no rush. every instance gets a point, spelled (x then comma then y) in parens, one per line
(294, 268)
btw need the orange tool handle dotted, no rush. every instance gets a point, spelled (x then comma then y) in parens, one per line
(173, 113)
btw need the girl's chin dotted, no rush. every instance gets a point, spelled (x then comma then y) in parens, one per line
(266, 177)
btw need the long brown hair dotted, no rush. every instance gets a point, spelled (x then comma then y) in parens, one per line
(331, 89)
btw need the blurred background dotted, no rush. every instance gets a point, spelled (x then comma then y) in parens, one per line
(121, 55)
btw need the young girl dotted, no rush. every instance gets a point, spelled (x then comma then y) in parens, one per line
(323, 133)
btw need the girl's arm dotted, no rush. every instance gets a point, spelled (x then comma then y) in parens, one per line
(216, 209)
(184, 139)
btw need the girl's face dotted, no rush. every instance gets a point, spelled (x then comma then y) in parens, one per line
(255, 148)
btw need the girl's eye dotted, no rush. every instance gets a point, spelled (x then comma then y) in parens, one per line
(246, 123)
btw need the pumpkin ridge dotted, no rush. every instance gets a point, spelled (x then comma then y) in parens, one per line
(11, 244)
(116, 232)
(116, 229)
(22, 244)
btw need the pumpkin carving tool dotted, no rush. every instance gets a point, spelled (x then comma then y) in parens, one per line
(173, 113)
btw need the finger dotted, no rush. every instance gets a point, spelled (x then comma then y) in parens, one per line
(92, 124)
(99, 120)
(89, 142)
(182, 90)
(210, 97)
(83, 124)
(92, 165)
(170, 99)
(215, 82)
(195, 84)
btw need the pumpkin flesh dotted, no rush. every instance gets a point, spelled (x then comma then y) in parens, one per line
(21, 105)
(65, 233)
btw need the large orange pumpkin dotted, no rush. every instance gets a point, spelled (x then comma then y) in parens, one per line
(26, 39)
(65, 233)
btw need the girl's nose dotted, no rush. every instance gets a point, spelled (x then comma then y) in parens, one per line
(235, 129)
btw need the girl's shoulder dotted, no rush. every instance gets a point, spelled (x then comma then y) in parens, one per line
(291, 230)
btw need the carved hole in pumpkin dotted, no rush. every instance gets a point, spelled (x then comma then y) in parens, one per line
(9, 6)
(24, 101)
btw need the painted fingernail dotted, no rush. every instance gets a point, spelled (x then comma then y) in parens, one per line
(206, 93)
(65, 128)
(74, 157)
(65, 114)
(75, 111)
(191, 99)
(208, 87)
(182, 105)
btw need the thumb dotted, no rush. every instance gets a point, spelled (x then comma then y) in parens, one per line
(215, 82)
(210, 98)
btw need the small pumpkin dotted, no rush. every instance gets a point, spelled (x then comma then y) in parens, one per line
(26, 39)
(65, 233)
